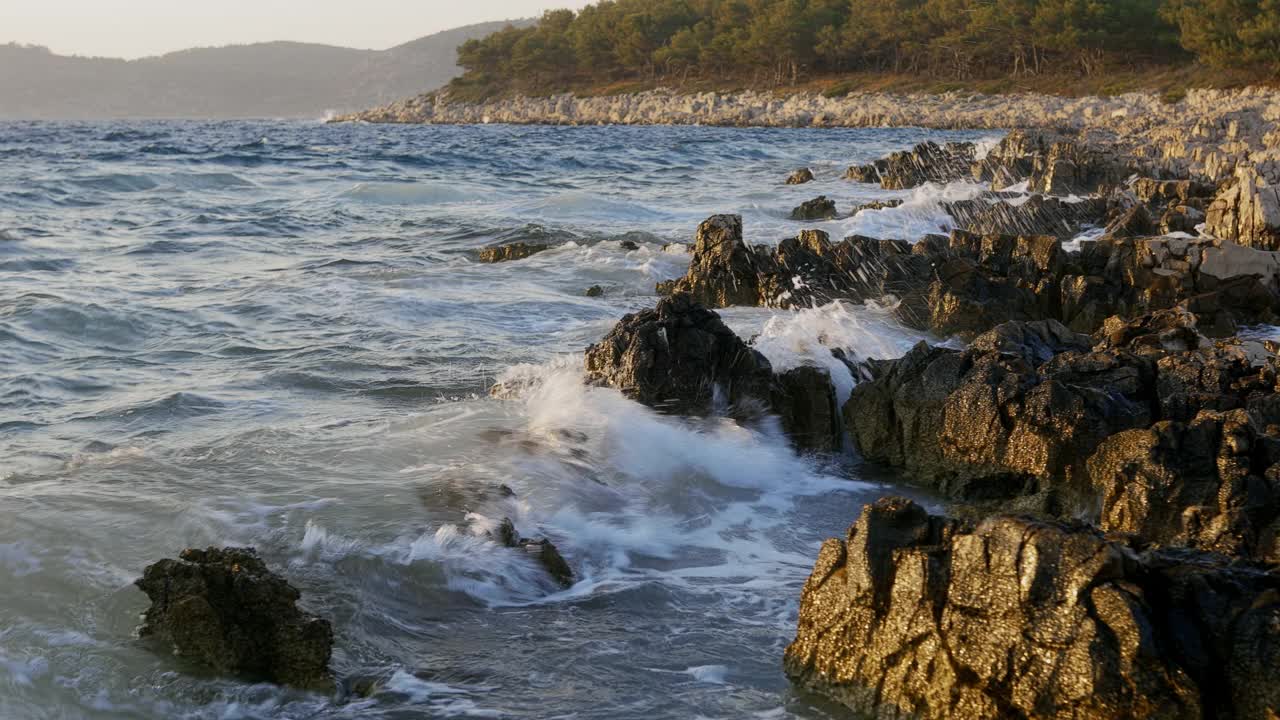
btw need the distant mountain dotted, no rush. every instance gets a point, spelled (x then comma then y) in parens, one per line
(264, 80)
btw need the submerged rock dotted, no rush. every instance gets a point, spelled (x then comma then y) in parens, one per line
(594, 291)
(800, 177)
(541, 550)
(915, 616)
(680, 358)
(224, 609)
(877, 205)
(511, 251)
(819, 208)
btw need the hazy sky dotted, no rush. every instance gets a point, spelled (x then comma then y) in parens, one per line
(136, 28)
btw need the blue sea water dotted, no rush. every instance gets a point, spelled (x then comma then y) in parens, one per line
(277, 334)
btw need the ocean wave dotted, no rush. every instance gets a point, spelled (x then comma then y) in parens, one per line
(397, 193)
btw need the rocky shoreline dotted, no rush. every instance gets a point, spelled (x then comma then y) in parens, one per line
(1107, 442)
(1112, 474)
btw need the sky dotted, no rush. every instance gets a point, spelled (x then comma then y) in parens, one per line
(140, 28)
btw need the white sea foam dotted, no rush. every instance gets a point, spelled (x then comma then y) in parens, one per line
(921, 213)
(807, 337)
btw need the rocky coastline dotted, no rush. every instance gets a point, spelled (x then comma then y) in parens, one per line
(1106, 443)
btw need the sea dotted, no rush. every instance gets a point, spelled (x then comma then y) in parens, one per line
(277, 334)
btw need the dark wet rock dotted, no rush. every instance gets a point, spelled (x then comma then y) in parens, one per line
(970, 282)
(877, 205)
(629, 245)
(926, 162)
(805, 400)
(803, 271)
(1036, 215)
(541, 550)
(819, 208)
(222, 608)
(511, 251)
(723, 271)
(986, 280)
(680, 358)
(594, 291)
(800, 177)
(918, 616)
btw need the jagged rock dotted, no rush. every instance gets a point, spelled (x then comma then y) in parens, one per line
(805, 400)
(1052, 163)
(1246, 212)
(1133, 222)
(224, 609)
(877, 205)
(723, 271)
(800, 177)
(1210, 484)
(819, 208)
(1036, 215)
(541, 550)
(971, 282)
(916, 616)
(680, 358)
(1165, 192)
(926, 162)
(594, 291)
(1015, 416)
(511, 251)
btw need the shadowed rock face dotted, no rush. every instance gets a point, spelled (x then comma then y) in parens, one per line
(916, 616)
(805, 400)
(511, 251)
(224, 609)
(680, 358)
(1052, 163)
(723, 270)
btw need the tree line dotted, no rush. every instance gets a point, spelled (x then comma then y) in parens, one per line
(778, 42)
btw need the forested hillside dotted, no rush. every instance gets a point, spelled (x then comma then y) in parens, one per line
(280, 79)
(784, 42)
